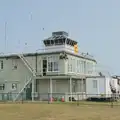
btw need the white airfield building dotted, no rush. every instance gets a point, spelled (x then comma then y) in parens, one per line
(58, 69)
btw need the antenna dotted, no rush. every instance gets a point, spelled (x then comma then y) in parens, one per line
(5, 37)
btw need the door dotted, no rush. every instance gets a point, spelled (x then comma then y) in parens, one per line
(44, 67)
(29, 92)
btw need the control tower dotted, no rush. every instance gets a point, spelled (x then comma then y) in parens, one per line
(60, 41)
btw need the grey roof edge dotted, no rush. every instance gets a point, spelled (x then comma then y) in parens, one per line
(44, 53)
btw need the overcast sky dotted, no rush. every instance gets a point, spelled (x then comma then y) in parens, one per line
(95, 24)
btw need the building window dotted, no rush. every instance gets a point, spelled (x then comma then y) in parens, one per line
(14, 64)
(55, 66)
(50, 63)
(70, 65)
(73, 65)
(94, 83)
(89, 68)
(74, 83)
(82, 67)
(14, 86)
(2, 86)
(53, 63)
(78, 66)
(1, 64)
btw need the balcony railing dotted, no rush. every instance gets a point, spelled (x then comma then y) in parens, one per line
(48, 50)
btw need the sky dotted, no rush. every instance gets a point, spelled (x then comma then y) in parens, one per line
(95, 24)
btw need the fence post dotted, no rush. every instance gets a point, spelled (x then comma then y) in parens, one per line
(77, 99)
(22, 97)
(48, 98)
(112, 104)
(112, 100)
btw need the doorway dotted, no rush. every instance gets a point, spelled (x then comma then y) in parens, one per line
(29, 92)
(44, 67)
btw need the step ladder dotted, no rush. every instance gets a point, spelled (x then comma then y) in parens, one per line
(33, 72)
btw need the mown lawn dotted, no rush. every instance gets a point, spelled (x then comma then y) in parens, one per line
(28, 111)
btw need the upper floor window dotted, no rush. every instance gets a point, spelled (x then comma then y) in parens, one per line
(89, 67)
(1, 64)
(73, 65)
(14, 64)
(70, 65)
(80, 66)
(53, 63)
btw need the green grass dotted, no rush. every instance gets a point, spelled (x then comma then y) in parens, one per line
(66, 111)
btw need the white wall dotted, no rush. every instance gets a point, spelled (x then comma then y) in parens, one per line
(103, 85)
(100, 89)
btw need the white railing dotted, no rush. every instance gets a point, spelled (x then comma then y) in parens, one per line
(25, 61)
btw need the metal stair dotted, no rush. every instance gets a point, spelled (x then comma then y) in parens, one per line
(25, 61)
(27, 83)
(27, 64)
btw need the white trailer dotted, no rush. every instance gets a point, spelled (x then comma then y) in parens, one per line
(98, 86)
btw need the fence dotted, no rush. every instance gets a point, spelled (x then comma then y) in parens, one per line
(48, 98)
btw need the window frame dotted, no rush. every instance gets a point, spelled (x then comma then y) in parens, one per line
(52, 64)
(1, 65)
(14, 64)
(15, 85)
(2, 85)
(70, 70)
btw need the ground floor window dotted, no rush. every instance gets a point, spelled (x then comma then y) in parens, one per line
(74, 84)
(94, 83)
(14, 86)
(2, 86)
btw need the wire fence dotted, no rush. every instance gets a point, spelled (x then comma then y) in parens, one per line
(61, 98)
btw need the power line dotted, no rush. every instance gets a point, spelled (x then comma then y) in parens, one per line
(5, 36)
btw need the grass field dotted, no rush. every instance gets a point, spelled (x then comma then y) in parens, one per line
(29, 111)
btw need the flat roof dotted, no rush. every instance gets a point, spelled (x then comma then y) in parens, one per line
(45, 53)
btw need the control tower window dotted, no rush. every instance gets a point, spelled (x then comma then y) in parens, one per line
(60, 42)
(56, 42)
(52, 42)
(48, 42)
(59, 38)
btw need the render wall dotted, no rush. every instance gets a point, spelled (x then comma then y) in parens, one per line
(10, 75)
